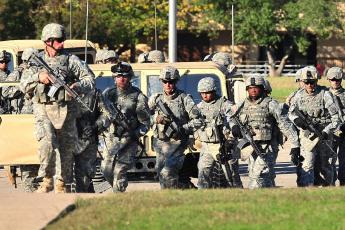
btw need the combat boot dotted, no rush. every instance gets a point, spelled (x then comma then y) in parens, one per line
(47, 185)
(59, 186)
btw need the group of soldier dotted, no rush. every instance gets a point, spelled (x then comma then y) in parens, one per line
(68, 127)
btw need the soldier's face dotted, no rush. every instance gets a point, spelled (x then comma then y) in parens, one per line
(53, 45)
(122, 82)
(208, 96)
(309, 86)
(335, 83)
(169, 87)
(3, 65)
(301, 84)
(254, 92)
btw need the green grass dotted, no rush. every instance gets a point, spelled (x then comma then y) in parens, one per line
(283, 86)
(213, 209)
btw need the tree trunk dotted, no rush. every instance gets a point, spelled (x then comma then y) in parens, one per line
(273, 71)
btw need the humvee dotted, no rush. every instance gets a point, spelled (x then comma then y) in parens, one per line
(18, 146)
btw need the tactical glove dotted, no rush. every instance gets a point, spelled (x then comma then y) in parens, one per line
(296, 157)
(300, 123)
(236, 131)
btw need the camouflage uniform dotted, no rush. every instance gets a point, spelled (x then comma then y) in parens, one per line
(339, 98)
(319, 107)
(155, 56)
(19, 103)
(4, 59)
(170, 150)
(263, 115)
(216, 114)
(87, 145)
(121, 145)
(222, 59)
(55, 117)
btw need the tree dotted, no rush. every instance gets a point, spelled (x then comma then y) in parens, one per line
(267, 22)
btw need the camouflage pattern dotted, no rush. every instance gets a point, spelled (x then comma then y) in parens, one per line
(335, 73)
(264, 116)
(123, 69)
(53, 30)
(3, 75)
(87, 145)
(170, 151)
(155, 56)
(255, 80)
(27, 53)
(207, 84)
(55, 118)
(319, 106)
(28, 174)
(216, 113)
(169, 73)
(222, 59)
(309, 73)
(121, 149)
(108, 56)
(99, 56)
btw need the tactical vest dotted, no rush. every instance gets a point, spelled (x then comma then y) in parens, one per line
(213, 118)
(176, 105)
(60, 63)
(313, 106)
(126, 101)
(256, 115)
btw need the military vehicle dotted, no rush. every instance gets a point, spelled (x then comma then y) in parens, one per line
(18, 146)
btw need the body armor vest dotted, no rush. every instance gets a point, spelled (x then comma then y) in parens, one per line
(256, 115)
(126, 102)
(313, 106)
(213, 118)
(175, 104)
(59, 63)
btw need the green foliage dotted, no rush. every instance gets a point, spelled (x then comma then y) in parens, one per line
(211, 209)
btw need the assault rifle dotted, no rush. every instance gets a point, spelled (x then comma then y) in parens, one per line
(248, 136)
(224, 155)
(173, 127)
(58, 81)
(120, 119)
(311, 127)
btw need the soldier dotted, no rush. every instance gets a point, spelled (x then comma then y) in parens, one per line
(55, 116)
(299, 87)
(222, 59)
(126, 117)
(142, 58)
(99, 55)
(110, 57)
(19, 103)
(216, 111)
(317, 104)
(5, 58)
(261, 114)
(175, 117)
(335, 76)
(87, 145)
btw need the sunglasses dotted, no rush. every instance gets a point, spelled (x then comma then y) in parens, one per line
(59, 40)
(337, 80)
(170, 82)
(309, 82)
(121, 68)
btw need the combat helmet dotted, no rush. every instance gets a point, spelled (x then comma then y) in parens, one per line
(109, 55)
(207, 84)
(222, 58)
(267, 86)
(122, 69)
(28, 52)
(298, 75)
(53, 30)
(5, 56)
(335, 73)
(309, 73)
(255, 80)
(169, 73)
(155, 56)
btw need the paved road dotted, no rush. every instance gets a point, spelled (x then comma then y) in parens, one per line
(21, 210)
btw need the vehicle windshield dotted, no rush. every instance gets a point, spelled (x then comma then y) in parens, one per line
(188, 83)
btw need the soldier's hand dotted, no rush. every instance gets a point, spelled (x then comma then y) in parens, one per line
(236, 131)
(76, 87)
(300, 123)
(160, 119)
(44, 78)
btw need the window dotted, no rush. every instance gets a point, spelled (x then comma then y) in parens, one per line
(188, 84)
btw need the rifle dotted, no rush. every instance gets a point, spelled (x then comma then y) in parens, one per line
(173, 127)
(120, 119)
(311, 127)
(248, 136)
(224, 155)
(57, 81)
(340, 112)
